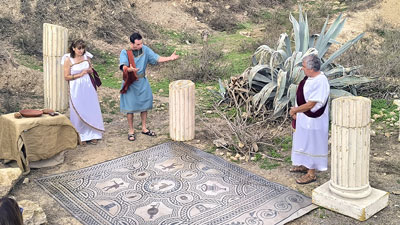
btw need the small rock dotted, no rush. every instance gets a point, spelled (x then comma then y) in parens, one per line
(228, 154)
(253, 158)
(376, 116)
(33, 214)
(397, 192)
(372, 120)
(8, 178)
(387, 134)
(221, 153)
(395, 96)
(241, 145)
(255, 147)
(372, 133)
(392, 113)
(375, 154)
(161, 90)
(237, 155)
(210, 88)
(379, 127)
(387, 153)
(397, 102)
(242, 158)
(209, 111)
(197, 141)
(219, 143)
(26, 180)
(233, 158)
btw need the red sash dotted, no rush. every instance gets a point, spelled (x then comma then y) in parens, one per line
(301, 100)
(129, 77)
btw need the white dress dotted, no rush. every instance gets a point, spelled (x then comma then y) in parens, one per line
(85, 113)
(310, 140)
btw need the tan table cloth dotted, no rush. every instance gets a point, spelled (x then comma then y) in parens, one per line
(35, 138)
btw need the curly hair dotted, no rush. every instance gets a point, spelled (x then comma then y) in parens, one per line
(312, 62)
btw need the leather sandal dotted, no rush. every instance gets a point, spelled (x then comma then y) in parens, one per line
(298, 169)
(306, 179)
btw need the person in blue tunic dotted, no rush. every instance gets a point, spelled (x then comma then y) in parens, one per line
(138, 97)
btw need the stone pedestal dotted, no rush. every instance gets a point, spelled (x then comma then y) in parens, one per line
(348, 191)
(55, 45)
(181, 110)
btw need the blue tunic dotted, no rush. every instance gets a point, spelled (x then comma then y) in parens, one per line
(139, 97)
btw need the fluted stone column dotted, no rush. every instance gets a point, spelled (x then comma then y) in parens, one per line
(348, 191)
(350, 138)
(55, 45)
(181, 110)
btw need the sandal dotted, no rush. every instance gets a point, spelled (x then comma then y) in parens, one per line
(92, 142)
(131, 137)
(306, 179)
(149, 133)
(298, 169)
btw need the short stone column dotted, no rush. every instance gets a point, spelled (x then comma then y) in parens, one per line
(55, 45)
(348, 191)
(181, 110)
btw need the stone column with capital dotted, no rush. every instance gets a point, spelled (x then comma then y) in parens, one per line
(181, 110)
(348, 191)
(55, 45)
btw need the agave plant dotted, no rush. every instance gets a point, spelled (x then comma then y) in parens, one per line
(276, 74)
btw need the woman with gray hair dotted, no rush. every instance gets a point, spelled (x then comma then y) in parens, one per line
(311, 116)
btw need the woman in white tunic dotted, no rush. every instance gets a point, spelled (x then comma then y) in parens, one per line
(310, 139)
(85, 113)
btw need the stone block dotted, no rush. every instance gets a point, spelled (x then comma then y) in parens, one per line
(360, 209)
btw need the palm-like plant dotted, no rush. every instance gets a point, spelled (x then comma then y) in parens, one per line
(276, 74)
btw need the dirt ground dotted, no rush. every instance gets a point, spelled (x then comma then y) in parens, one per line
(385, 150)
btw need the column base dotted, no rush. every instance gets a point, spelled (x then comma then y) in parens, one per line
(360, 209)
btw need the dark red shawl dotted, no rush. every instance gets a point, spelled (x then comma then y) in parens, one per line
(129, 77)
(301, 100)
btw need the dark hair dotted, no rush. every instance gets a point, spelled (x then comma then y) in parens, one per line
(76, 44)
(10, 213)
(312, 62)
(135, 36)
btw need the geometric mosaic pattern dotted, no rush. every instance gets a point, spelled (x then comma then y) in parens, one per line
(173, 183)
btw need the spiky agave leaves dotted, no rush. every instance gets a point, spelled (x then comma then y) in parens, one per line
(276, 73)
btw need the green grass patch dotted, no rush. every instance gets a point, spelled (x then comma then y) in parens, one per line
(106, 65)
(179, 37)
(30, 61)
(109, 105)
(258, 157)
(163, 49)
(385, 108)
(157, 85)
(107, 120)
(268, 164)
(211, 150)
(284, 143)
(238, 62)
